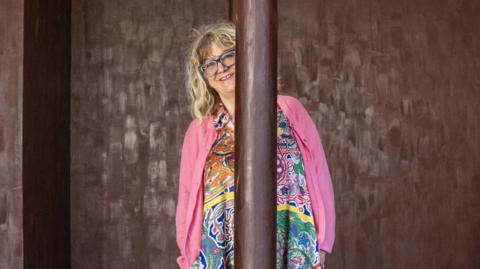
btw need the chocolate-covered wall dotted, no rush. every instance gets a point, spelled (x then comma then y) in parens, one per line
(393, 87)
(11, 63)
(129, 115)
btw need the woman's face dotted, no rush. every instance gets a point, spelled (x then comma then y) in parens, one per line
(224, 80)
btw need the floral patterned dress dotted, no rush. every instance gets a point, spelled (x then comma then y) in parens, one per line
(296, 243)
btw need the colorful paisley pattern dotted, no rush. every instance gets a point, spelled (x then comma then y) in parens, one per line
(296, 244)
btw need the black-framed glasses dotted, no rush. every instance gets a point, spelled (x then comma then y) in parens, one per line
(210, 67)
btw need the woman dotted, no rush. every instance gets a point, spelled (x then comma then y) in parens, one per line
(205, 209)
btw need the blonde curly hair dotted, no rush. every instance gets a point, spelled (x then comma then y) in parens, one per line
(203, 97)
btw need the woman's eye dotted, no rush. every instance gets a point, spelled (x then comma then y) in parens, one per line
(210, 64)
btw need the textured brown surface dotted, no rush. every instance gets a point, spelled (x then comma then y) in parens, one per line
(394, 87)
(129, 115)
(11, 57)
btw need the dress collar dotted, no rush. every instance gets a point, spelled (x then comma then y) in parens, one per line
(221, 117)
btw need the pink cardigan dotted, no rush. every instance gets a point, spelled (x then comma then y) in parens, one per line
(198, 140)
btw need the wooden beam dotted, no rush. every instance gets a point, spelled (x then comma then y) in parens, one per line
(255, 133)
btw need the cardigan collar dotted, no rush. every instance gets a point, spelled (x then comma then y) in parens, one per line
(282, 103)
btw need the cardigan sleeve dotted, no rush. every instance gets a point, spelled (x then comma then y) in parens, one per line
(321, 167)
(188, 154)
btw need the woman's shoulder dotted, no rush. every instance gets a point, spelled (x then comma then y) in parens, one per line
(197, 127)
(291, 105)
(290, 101)
(286, 98)
(194, 126)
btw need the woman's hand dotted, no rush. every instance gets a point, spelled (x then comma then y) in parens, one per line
(322, 255)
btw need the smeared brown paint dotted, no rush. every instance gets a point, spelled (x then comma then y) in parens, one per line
(392, 85)
(129, 115)
(11, 65)
(394, 89)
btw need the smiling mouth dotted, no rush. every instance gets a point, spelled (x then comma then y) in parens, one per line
(226, 77)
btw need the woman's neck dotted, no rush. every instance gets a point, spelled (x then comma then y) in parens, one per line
(229, 104)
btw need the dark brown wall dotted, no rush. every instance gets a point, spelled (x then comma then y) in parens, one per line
(11, 58)
(129, 115)
(394, 89)
(392, 85)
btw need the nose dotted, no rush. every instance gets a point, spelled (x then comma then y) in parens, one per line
(221, 68)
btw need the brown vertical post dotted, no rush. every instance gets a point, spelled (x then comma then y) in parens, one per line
(255, 131)
(46, 134)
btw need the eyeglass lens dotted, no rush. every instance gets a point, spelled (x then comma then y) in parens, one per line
(227, 60)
